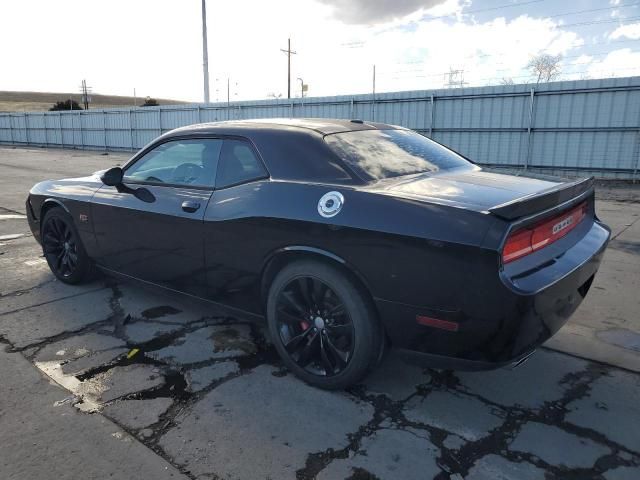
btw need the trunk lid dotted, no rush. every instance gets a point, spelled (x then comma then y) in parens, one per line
(476, 189)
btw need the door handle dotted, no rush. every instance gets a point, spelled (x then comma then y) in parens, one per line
(190, 207)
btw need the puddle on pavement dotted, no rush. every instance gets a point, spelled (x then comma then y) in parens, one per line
(230, 339)
(161, 311)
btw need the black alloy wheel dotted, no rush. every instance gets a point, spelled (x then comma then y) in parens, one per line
(62, 247)
(314, 326)
(322, 324)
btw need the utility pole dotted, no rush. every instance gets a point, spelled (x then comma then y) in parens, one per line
(374, 81)
(205, 53)
(289, 52)
(85, 91)
(455, 78)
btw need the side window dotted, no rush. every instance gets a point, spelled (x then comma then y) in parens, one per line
(238, 164)
(182, 162)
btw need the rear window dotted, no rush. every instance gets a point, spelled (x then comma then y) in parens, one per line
(379, 154)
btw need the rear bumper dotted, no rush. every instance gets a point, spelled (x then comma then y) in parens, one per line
(524, 314)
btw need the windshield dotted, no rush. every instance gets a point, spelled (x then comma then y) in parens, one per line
(379, 154)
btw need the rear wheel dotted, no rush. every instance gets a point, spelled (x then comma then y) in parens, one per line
(322, 325)
(63, 249)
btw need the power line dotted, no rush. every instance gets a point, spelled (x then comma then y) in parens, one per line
(576, 12)
(480, 10)
(490, 55)
(487, 80)
(408, 74)
(428, 18)
(596, 54)
(360, 44)
(598, 22)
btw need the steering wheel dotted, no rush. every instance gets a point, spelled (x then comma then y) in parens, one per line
(186, 173)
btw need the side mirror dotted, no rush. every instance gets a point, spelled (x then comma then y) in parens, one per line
(112, 177)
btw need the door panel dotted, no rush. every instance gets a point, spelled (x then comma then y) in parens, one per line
(151, 227)
(159, 240)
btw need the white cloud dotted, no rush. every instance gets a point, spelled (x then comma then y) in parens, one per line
(376, 11)
(583, 60)
(631, 30)
(619, 63)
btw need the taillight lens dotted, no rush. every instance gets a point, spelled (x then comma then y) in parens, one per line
(525, 241)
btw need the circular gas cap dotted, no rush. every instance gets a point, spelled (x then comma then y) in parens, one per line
(330, 204)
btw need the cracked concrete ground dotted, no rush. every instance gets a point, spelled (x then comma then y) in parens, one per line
(118, 380)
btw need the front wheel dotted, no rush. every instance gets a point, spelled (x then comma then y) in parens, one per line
(63, 249)
(322, 325)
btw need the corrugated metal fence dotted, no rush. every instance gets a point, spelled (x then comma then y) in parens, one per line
(586, 126)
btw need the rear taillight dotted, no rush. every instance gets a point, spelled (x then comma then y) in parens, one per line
(527, 240)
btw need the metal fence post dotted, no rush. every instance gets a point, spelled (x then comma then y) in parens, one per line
(291, 110)
(637, 166)
(11, 128)
(159, 121)
(373, 108)
(131, 129)
(199, 115)
(26, 128)
(46, 131)
(431, 117)
(104, 129)
(81, 134)
(60, 128)
(527, 159)
(351, 110)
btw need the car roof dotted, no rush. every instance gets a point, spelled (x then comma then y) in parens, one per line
(324, 126)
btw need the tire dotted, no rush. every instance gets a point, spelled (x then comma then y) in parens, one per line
(332, 349)
(63, 249)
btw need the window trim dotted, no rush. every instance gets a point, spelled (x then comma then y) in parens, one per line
(258, 157)
(207, 136)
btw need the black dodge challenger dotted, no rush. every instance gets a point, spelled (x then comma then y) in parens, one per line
(347, 236)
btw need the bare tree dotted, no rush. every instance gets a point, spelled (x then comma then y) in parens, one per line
(545, 67)
(506, 81)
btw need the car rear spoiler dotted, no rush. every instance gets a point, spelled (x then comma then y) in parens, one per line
(538, 202)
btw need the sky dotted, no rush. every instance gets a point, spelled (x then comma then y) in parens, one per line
(155, 46)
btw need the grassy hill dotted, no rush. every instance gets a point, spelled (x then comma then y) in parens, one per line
(40, 101)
